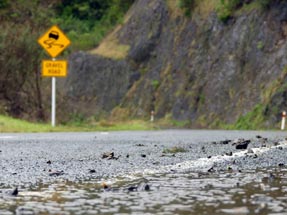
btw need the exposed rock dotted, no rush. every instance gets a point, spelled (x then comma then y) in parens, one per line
(242, 144)
(185, 67)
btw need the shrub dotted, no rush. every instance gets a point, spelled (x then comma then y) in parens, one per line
(264, 3)
(226, 8)
(187, 6)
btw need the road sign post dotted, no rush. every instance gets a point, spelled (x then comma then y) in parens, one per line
(53, 110)
(54, 41)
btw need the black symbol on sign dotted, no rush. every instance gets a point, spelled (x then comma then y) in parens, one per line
(53, 37)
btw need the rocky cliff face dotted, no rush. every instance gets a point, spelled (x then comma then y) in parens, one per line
(196, 69)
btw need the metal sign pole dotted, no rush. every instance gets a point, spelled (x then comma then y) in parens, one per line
(53, 110)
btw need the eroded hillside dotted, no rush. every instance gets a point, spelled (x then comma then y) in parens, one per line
(198, 69)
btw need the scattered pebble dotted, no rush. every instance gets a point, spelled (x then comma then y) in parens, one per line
(15, 192)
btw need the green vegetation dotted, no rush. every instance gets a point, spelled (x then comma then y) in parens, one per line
(174, 150)
(253, 120)
(8, 124)
(23, 92)
(155, 84)
(187, 6)
(87, 22)
(260, 45)
(227, 8)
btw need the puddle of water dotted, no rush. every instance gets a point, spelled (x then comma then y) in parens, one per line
(248, 192)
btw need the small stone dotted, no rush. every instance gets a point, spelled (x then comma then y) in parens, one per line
(107, 155)
(132, 188)
(15, 192)
(56, 173)
(127, 156)
(92, 171)
(106, 187)
(258, 136)
(211, 170)
(224, 142)
(209, 157)
(49, 162)
(280, 148)
(143, 155)
(242, 145)
(147, 187)
(229, 153)
(281, 165)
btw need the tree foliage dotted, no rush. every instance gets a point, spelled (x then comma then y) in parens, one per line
(22, 90)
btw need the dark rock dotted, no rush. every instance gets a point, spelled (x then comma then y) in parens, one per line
(242, 144)
(15, 192)
(281, 165)
(56, 173)
(108, 155)
(280, 148)
(209, 157)
(49, 162)
(276, 144)
(106, 187)
(140, 145)
(229, 153)
(147, 187)
(211, 169)
(258, 136)
(224, 142)
(92, 171)
(132, 188)
(143, 155)
(127, 156)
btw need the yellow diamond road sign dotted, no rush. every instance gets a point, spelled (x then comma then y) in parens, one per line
(54, 41)
(57, 68)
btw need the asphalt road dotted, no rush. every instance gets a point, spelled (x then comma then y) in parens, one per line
(32, 159)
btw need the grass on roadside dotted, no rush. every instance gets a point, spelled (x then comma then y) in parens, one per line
(174, 150)
(8, 124)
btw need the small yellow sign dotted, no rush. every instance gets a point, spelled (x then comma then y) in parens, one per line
(56, 68)
(54, 41)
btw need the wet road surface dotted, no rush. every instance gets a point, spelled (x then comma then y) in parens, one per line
(185, 171)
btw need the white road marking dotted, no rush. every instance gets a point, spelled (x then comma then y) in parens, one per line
(6, 137)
